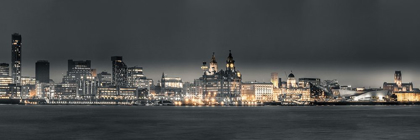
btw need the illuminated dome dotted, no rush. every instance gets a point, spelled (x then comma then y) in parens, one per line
(291, 75)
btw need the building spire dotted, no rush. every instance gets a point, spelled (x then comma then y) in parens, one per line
(230, 57)
(213, 58)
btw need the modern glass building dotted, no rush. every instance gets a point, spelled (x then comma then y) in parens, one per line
(16, 58)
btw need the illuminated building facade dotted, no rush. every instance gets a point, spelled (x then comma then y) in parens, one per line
(119, 72)
(171, 86)
(87, 87)
(28, 85)
(4, 69)
(104, 79)
(223, 86)
(42, 71)
(257, 91)
(80, 76)
(76, 70)
(42, 90)
(16, 58)
(14, 91)
(292, 92)
(187, 88)
(117, 93)
(407, 96)
(291, 81)
(275, 79)
(305, 82)
(26, 80)
(136, 78)
(65, 91)
(5, 80)
(398, 85)
(134, 74)
(4, 85)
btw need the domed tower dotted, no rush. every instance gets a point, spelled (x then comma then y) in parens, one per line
(230, 63)
(291, 80)
(213, 65)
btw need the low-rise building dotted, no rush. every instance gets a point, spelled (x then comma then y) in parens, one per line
(407, 96)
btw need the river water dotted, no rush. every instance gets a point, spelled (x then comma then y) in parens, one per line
(180, 122)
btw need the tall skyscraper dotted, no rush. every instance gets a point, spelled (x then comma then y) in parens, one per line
(119, 72)
(275, 79)
(16, 58)
(4, 69)
(42, 71)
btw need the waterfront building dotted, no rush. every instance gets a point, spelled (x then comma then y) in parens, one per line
(5, 80)
(304, 82)
(398, 85)
(276, 94)
(76, 70)
(171, 87)
(42, 90)
(65, 91)
(104, 79)
(257, 91)
(275, 79)
(291, 81)
(119, 72)
(136, 78)
(14, 91)
(117, 93)
(42, 71)
(197, 89)
(16, 58)
(4, 85)
(408, 96)
(81, 76)
(223, 86)
(28, 85)
(87, 87)
(134, 74)
(187, 88)
(283, 84)
(4, 69)
(26, 81)
(292, 92)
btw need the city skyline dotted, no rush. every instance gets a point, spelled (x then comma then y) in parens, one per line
(209, 69)
(317, 40)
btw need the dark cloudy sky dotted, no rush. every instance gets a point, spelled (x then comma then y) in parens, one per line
(358, 42)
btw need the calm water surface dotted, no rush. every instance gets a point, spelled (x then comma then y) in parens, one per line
(136, 122)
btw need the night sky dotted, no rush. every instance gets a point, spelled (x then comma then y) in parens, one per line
(360, 43)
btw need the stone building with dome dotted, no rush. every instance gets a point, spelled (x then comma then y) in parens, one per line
(292, 92)
(221, 86)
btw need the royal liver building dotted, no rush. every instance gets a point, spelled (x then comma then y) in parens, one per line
(223, 86)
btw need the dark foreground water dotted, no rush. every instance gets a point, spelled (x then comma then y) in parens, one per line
(135, 122)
